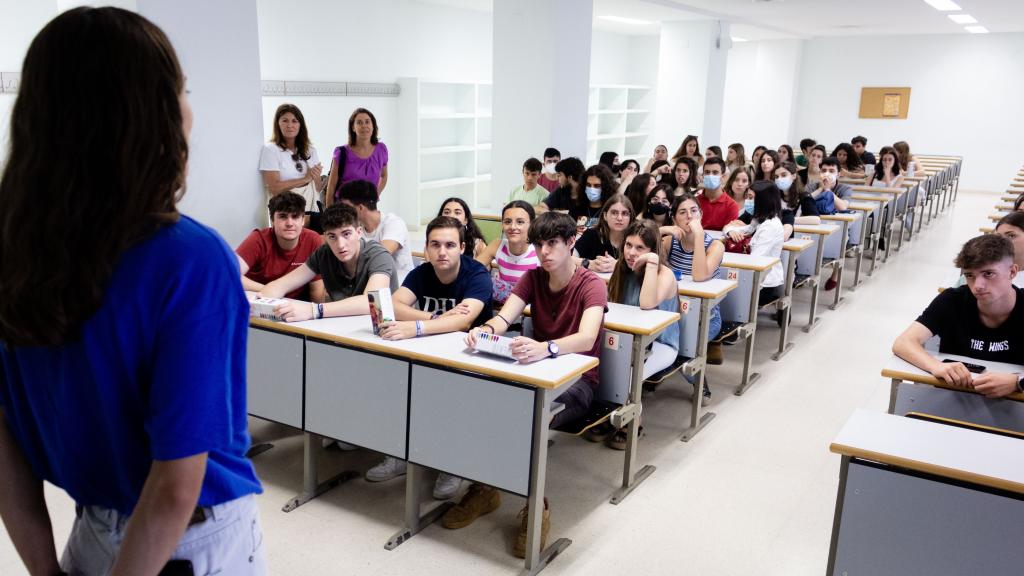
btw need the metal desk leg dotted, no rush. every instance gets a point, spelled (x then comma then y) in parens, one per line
(860, 250)
(815, 286)
(537, 559)
(414, 523)
(893, 392)
(632, 411)
(786, 309)
(310, 488)
(841, 262)
(890, 217)
(903, 220)
(876, 226)
(698, 421)
(751, 328)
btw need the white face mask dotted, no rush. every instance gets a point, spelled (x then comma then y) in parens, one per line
(549, 168)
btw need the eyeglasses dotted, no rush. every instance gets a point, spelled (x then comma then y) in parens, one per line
(298, 164)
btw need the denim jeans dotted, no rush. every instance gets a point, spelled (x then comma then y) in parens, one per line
(229, 541)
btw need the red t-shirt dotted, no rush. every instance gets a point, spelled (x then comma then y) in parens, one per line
(268, 262)
(715, 215)
(549, 185)
(558, 314)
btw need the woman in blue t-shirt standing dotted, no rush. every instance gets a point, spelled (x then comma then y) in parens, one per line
(123, 379)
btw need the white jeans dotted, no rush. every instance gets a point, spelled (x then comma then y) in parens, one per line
(661, 357)
(228, 542)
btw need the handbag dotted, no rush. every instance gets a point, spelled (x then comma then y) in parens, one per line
(342, 156)
(741, 247)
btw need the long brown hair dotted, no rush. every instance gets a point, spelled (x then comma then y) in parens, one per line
(604, 231)
(352, 126)
(649, 233)
(96, 164)
(301, 139)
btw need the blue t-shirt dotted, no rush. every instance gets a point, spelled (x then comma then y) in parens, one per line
(473, 281)
(158, 373)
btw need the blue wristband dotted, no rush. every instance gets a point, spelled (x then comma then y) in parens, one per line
(419, 328)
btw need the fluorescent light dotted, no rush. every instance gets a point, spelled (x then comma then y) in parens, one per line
(738, 39)
(976, 29)
(963, 18)
(622, 20)
(943, 5)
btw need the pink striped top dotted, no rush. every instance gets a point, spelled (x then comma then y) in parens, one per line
(511, 268)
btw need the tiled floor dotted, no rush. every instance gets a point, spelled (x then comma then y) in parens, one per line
(754, 493)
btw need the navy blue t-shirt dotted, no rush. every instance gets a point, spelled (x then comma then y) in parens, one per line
(473, 281)
(158, 373)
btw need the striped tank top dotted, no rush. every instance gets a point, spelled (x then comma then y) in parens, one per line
(682, 261)
(511, 268)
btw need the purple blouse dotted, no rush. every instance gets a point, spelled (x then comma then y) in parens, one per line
(357, 168)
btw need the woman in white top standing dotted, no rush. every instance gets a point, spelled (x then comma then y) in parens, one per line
(289, 161)
(767, 236)
(512, 254)
(887, 173)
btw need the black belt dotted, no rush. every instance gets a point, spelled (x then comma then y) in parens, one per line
(198, 515)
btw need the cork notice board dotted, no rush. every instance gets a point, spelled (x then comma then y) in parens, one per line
(884, 102)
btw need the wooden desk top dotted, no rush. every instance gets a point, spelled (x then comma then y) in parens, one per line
(442, 350)
(874, 190)
(748, 262)
(971, 456)
(881, 199)
(997, 216)
(842, 217)
(903, 370)
(987, 229)
(1004, 207)
(863, 207)
(797, 245)
(819, 229)
(633, 320)
(1010, 198)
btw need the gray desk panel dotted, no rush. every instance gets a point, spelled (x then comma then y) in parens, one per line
(974, 408)
(735, 307)
(615, 368)
(805, 260)
(357, 397)
(689, 326)
(893, 523)
(273, 373)
(471, 427)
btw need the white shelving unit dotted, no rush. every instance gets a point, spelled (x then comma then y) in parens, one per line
(446, 145)
(620, 120)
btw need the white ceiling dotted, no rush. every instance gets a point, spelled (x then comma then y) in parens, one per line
(767, 19)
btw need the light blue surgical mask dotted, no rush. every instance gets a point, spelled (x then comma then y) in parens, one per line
(593, 194)
(748, 206)
(783, 183)
(712, 181)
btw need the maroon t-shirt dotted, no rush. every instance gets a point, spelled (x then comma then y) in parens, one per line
(715, 215)
(268, 262)
(549, 185)
(558, 314)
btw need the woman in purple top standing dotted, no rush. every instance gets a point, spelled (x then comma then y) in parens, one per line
(363, 158)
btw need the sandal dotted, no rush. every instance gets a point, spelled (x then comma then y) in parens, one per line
(618, 440)
(599, 433)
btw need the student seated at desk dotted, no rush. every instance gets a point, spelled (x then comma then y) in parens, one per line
(908, 163)
(384, 227)
(850, 164)
(982, 320)
(657, 204)
(530, 190)
(474, 238)
(268, 254)
(812, 171)
(1018, 204)
(642, 279)
(1012, 227)
(349, 264)
(717, 208)
(887, 173)
(798, 206)
(598, 248)
(766, 235)
(685, 175)
(568, 303)
(512, 254)
(830, 196)
(693, 252)
(451, 292)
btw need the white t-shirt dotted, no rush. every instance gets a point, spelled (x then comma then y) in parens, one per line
(393, 228)
(767, 241)
(273, 158)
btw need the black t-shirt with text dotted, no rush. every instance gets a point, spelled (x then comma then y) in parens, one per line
(953, 317)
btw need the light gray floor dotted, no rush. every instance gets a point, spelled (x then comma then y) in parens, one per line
(754, 493)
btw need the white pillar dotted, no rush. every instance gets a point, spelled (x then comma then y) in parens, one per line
(541, 84)
(218, 47)
(691, 81)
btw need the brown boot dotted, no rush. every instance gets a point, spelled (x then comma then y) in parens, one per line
(519, 546)
(715, 353)
(480, 499)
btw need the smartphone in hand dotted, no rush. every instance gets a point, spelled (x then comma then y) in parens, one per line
(975, 368)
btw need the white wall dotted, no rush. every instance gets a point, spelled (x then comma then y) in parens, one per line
(965, 97)
(620, 59)
(761, 94)
(379, 41)
(685, 55)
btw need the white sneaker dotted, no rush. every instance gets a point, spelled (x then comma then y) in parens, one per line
(389, 468)
(446, 486)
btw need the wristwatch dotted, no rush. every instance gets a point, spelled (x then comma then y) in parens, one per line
(585, 263)
(553, 349)
(1020, 383)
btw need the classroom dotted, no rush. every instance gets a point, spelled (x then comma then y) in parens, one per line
(511, 286)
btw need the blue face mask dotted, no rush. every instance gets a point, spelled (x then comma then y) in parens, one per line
(712, 181)
(748, 206)
(593, 194)
(783, 183)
